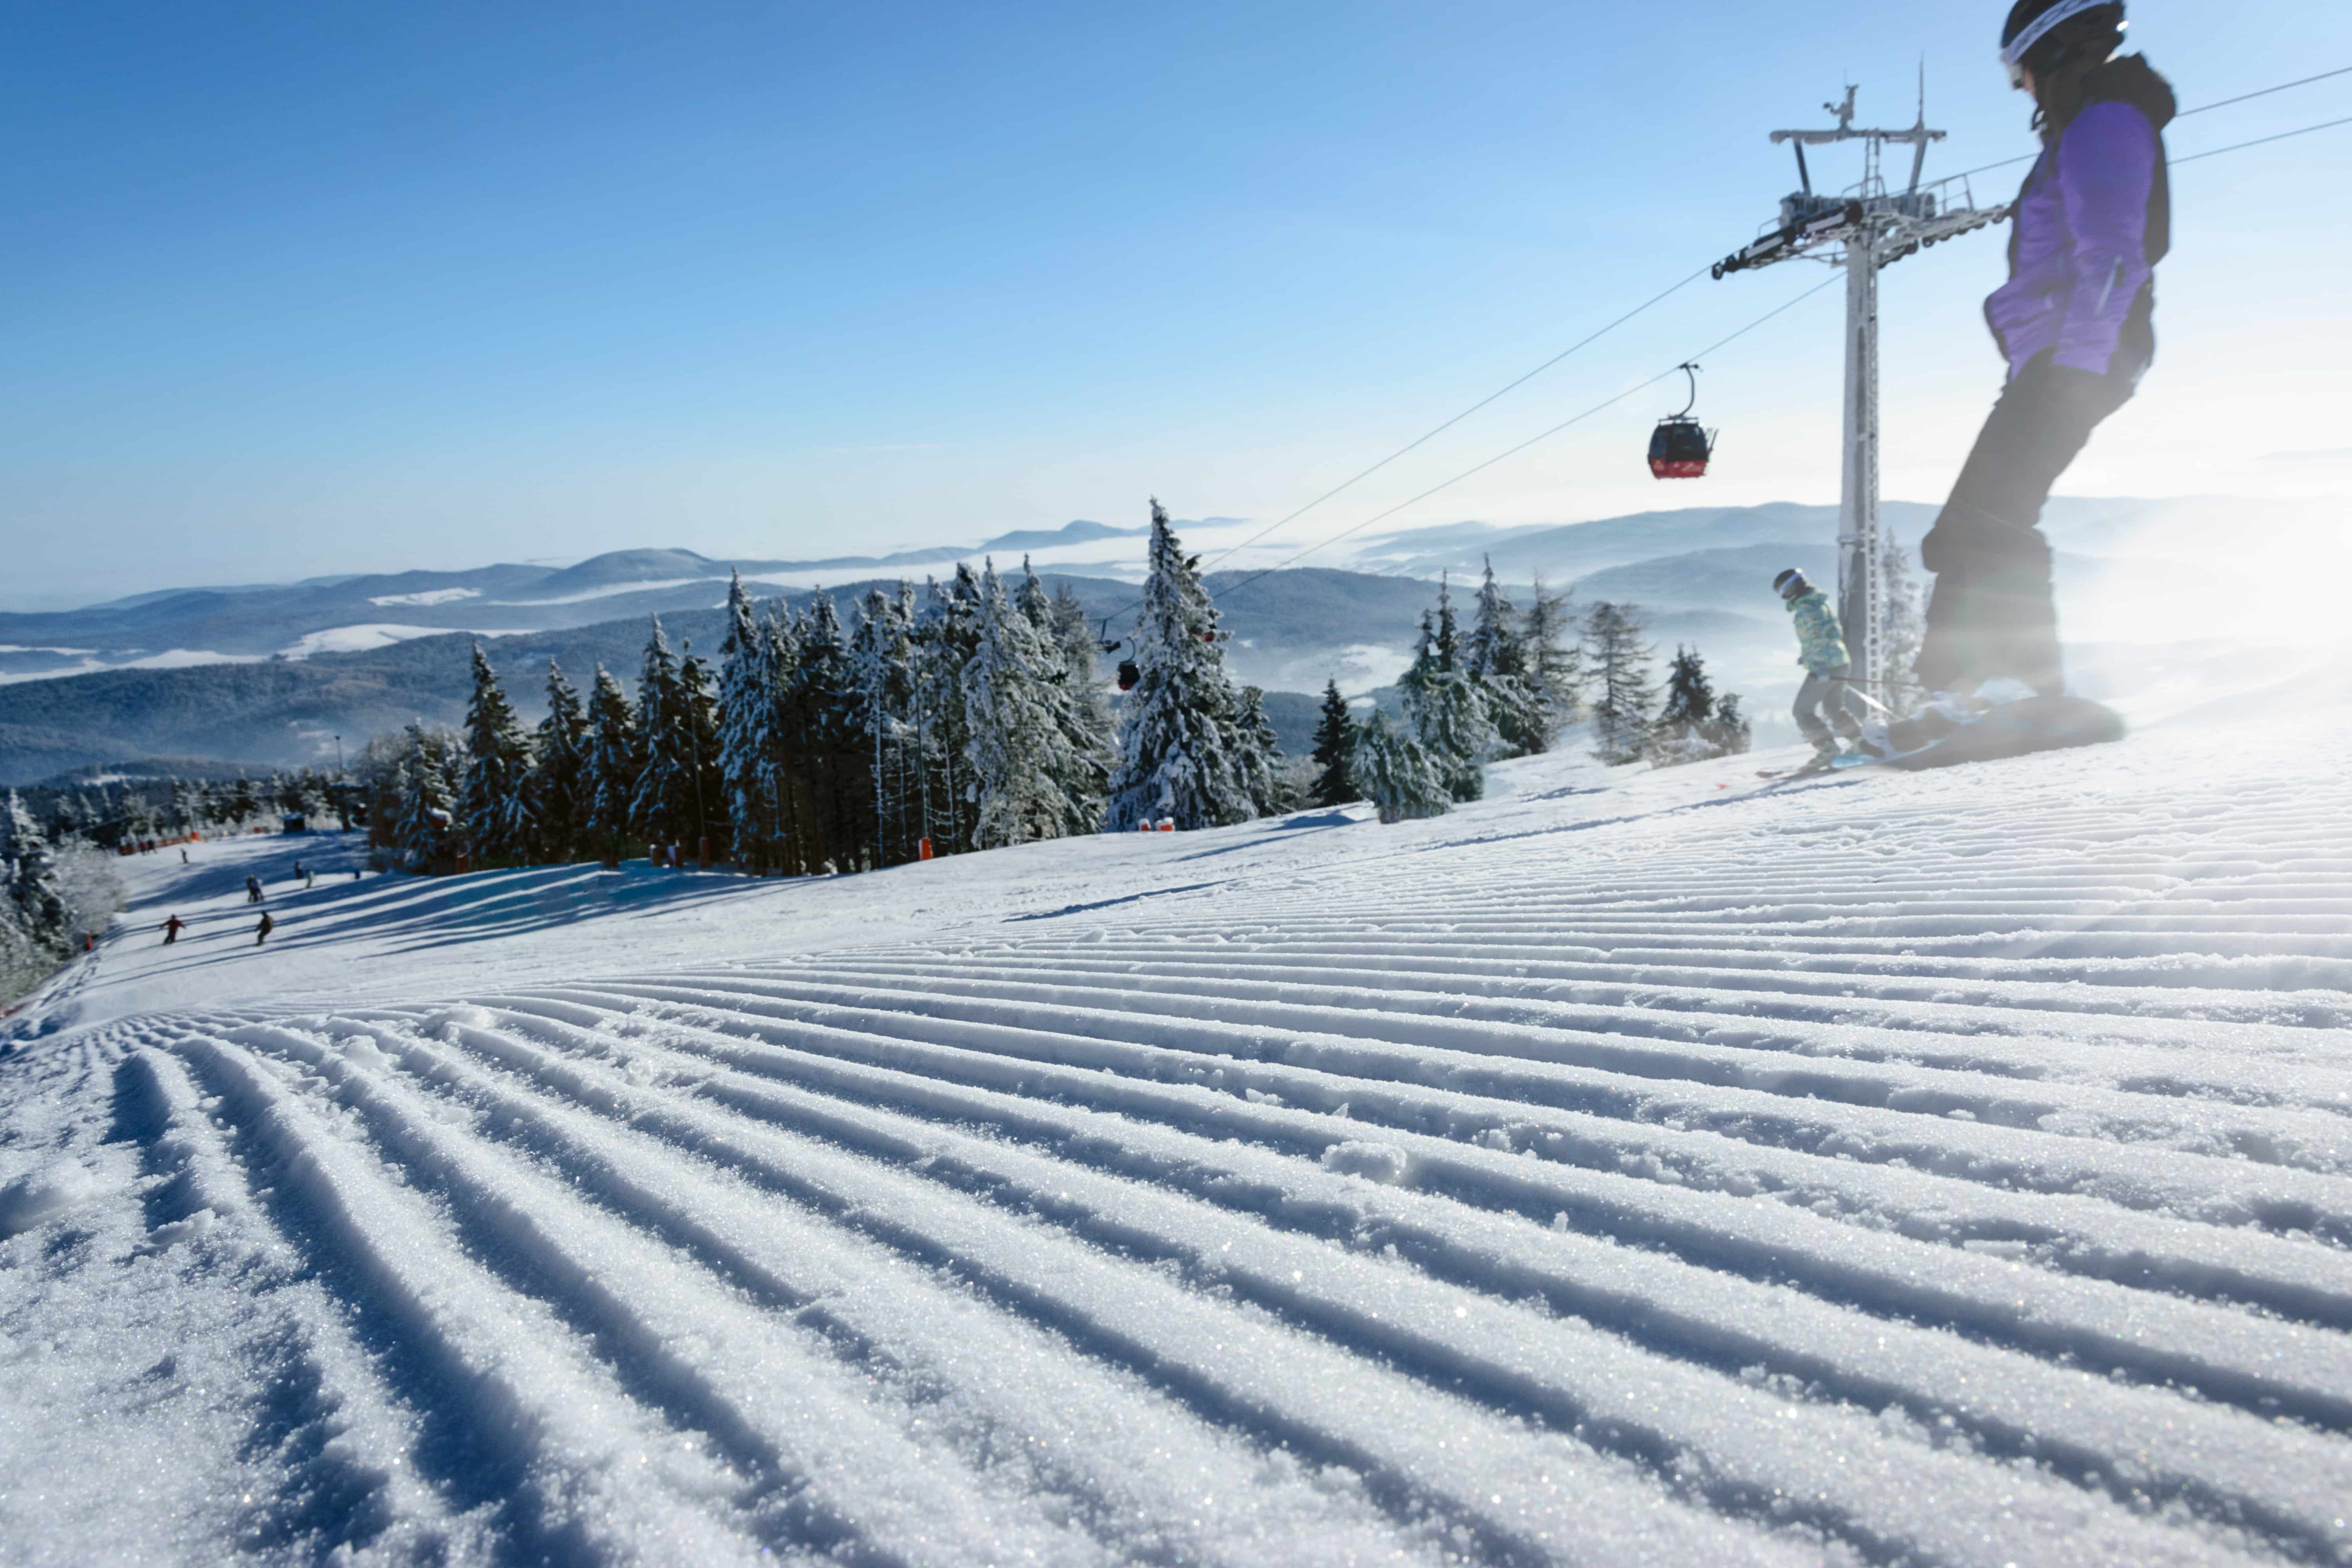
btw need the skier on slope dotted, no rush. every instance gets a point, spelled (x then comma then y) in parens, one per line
(172, 929)
(2074, 322)
(1824, 702)
(261, 933)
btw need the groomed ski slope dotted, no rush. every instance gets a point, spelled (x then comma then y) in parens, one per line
(1937, 1169)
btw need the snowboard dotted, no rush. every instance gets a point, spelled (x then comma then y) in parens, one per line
(1936, 739)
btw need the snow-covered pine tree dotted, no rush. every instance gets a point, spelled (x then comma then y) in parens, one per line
(1016, 742)
(429, 828)
(1549, 640)
(946, 637)
(1726, 731)
(882, 673)
(609, 781)
(1682, 731)
(1904, 628)
(661, 807)
(1335, 741)
(1177, 743)
(1444, 706)
(1395, 771)
(824, 706)
(1079, 643)
(1496, 658)
(559, 785)
(784, 761)
(494, 803)
(1690, 695)
(747, 713)
(180, 812)
(1618, 663)
(243, 806)
(704, 796)
(1259, 755)
(1079, 710)
(34, 902)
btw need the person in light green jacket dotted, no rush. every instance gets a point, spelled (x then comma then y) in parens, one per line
(1823, 709)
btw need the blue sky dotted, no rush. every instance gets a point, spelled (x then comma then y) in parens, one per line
(297, 290)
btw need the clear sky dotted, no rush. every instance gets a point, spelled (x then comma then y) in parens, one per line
(295, 289)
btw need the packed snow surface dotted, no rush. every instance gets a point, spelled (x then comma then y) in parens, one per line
(1633, 1168)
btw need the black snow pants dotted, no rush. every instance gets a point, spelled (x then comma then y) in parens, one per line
(1992, 612)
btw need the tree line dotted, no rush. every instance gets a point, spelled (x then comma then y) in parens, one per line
(1508, 686)
(971, 716)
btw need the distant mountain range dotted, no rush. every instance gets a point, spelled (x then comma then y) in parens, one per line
(272, 674)
(180, 628)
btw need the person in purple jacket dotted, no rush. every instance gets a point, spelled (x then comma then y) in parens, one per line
(2076, 322)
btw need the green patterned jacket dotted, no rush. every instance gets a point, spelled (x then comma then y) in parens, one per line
(1820, 644)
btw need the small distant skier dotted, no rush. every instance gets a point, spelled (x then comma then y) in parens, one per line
(310, 880)
(172, 929)
(1825, 707)
(252, 890)
(183, 856)
(298, 870)
(261, 933)
(2075, 323)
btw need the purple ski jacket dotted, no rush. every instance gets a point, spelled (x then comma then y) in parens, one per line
(2090, 224)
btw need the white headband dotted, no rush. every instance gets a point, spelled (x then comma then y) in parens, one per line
(2034, 31)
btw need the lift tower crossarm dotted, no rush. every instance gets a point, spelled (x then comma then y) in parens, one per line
(1870, 228)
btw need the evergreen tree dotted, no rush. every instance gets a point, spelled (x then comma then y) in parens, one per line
(559, 785)
(661, 806)
(1075, 636)
(1396, 773)
(882, 672)
(1904, 628)
(1554, 667)
(609, 781)
(428, 833)
(1495, 657)
(1690, 695)
(1618, 663)
(180, 813)
(1259, 754)
(1074, 696)
(748, 681)
(1335, 741)
(1177, 744)
(242, 806)
(34, 902)
(1688, 728)
(1446, 708)
(699, 719)
(494, 804)
(824, 706)
(946, 638)
(784, 759)
(1727, 731)
(1015, 736)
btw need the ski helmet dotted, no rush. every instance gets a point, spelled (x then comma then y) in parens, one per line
(2032, 21)
(1789, 583)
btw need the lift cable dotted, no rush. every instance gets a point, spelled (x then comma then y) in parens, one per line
(1530, 441)
(1591, 338)
(2237, 146)
(1655, 299)
(2201, 108)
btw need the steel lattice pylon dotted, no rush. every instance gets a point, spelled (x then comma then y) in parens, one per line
(1864, 230)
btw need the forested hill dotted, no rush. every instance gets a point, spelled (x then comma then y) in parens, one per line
(289, 712)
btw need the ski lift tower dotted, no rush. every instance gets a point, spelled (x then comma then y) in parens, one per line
(1863, 229)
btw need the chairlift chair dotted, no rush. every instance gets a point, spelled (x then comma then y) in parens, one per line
(1679, 446)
